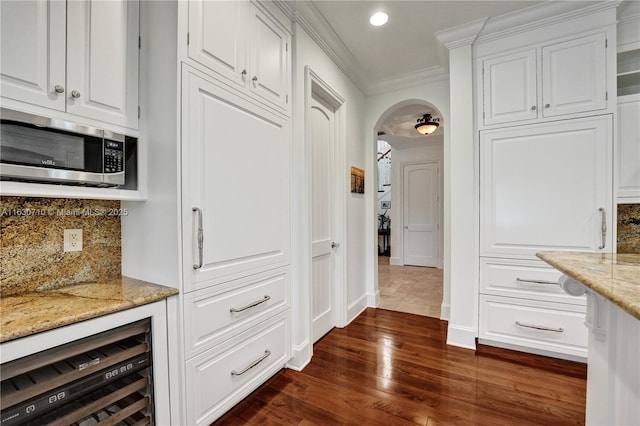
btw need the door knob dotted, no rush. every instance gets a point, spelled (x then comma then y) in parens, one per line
(334, 245)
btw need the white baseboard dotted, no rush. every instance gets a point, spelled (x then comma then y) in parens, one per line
(395, 261)
(463, 337)
(373, 299)
(301, 356)
(445, 309)
(356, 308)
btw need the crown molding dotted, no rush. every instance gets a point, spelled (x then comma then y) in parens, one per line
(411, 79)
(539, 16)
(461, 35)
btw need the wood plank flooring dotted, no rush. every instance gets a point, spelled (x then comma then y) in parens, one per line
(389, 368)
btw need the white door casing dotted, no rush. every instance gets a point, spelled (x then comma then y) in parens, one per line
(322, 133)
(420, 221)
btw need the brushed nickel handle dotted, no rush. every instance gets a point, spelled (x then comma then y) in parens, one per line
(335, 245)
(267, 352)
(522, 280)
(243, 73)
(603, 227)
(58, 89)
(200, 239)
(547, 105)
(255, 78)
(75, 94)
(533, 108)
(266, 298)
(540, 327)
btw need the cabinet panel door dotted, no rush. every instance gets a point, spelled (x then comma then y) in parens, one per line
(218, 37)
(32, 47)
(102, 60)
(541, 187)
(236, 171)
(510, 88)
(574, 76)
(628, 147)
(269, 59)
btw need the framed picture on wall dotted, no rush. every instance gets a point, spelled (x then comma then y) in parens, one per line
(385, 204)
(357, 180)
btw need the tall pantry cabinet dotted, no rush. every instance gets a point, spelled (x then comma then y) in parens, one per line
(546, 104)
(215, 111)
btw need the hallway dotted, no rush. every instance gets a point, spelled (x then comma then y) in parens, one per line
(411, 289)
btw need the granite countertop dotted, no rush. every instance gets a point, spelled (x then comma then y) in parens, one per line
(616, 277)
(45, 309)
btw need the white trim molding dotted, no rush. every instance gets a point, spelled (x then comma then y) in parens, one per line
(463, 337)
(300, 356)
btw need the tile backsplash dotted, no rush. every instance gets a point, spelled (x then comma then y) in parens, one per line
(31, 242)
(629, 228)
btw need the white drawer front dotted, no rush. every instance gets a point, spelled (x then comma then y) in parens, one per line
(215, 381)
(525, 279)
(541, 325)
(213, 315)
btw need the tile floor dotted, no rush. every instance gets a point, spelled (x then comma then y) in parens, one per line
(411, 289)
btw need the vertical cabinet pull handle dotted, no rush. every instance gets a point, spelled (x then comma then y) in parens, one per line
(200, 238)
(603, 227)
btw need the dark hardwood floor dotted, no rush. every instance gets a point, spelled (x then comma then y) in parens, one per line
(390, 368)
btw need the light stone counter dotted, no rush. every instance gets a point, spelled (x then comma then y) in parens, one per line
(45, 309)
(616, 277)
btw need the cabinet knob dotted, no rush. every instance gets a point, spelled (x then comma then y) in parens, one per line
(243, 73)
(58, 89)
(255, 78)
(533, 108)
(547, 105)
(75, 94)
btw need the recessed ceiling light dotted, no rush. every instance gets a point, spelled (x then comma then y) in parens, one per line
(378, 19)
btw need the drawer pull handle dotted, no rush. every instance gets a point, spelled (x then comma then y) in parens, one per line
(251, 305)
(603, 228)
(522, 280)
(540, 327)
(267, 352)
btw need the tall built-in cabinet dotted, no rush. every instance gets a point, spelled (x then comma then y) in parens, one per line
(627, 176)
(546, 103)
(218, 116)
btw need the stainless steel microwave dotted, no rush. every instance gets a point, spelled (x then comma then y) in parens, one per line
(40, 149)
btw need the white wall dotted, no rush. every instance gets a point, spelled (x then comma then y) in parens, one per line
(306, 53)
(380, 107)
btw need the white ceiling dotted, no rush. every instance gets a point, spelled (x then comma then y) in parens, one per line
(406, 44)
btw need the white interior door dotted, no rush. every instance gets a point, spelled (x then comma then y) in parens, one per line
(322, 133)
(420, 214)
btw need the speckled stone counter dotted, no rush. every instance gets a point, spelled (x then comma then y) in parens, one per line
(43, 309)
(615, 277)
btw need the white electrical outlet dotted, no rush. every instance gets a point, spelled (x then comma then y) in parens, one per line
(72, 240)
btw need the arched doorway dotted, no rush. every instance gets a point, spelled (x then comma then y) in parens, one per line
(409, 210)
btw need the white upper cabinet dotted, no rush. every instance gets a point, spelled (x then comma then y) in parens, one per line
(243, 45)
(572, 81)
(218, 33)
(510, 88)
(628, 149)
(78, 57)
(102, 60)
(33, 52)
(546, 187)
(574, 76)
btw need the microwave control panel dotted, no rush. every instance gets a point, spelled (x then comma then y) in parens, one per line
(113, 156)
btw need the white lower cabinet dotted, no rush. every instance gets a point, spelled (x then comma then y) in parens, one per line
(556, 328)
(219, 378)
(215, 314)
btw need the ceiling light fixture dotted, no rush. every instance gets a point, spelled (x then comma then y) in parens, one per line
(378, 19)
(427, 124)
